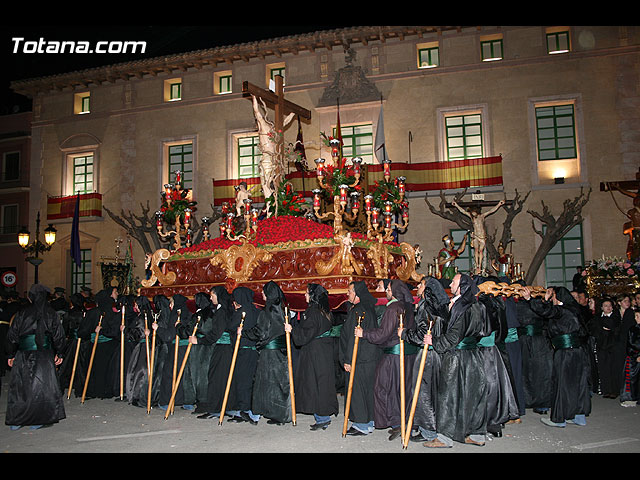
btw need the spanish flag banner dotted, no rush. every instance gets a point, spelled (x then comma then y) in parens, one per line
(420, 177)
(64, 207)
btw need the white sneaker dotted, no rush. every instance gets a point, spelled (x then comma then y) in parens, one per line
(628, 403)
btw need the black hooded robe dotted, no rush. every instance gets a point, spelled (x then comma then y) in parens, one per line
(185, 394)
(271, 396)
(630, 390)
(387, 379)
(103, 377)
(33, 339)
(432, 311)
(137, 373)
(200, 355)
(461, 407)
(361, 410)
(314, 379)
(70, 326)
(570, 376)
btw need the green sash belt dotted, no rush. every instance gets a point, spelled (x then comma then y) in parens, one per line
(409, 349)
(28, 342)
(467, 343)
(488, 341)
(181, 342)
(530, 330)
(512, 335)
(276, 344)
(101, 338)
(225, 339)
(332, 332)
(568, 340)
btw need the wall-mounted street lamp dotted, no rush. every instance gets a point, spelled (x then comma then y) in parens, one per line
(33, 250)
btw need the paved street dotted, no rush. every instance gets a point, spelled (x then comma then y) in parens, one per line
(107, 426)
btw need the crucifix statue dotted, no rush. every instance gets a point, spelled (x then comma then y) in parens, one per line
(271, 134)
(479, 233)
(632, 227)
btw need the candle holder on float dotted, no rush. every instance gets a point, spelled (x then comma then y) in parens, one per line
(382, 228)
(227, 228)
(176, 210)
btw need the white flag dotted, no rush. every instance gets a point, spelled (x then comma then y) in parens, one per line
(380, 148)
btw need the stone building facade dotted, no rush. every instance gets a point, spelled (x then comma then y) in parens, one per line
(128, 122)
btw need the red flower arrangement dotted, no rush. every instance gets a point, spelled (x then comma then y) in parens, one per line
(274, 230)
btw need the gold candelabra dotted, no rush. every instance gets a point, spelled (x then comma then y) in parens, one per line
(250, 219)
(173, 193)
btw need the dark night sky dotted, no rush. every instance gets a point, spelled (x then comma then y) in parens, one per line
(161, 40)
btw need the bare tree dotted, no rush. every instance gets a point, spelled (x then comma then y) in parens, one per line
(142, 227)
(512, 207)
(556, 228)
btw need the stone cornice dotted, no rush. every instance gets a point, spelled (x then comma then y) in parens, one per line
(276, 47)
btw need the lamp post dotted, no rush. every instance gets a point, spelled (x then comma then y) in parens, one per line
(34, 249)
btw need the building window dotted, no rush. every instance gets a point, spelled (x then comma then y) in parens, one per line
(180, 158)
(558, 42)
(491, 50)
(562, 260)
(9, 219)
(277, 70)
(555, 125)
(11, 166)
(357, 141)
(428, 55)
(222, 82)
(249, 156)
(81, 275)
(173, 90)
(81, 102)
(83, 174)
(464, 136)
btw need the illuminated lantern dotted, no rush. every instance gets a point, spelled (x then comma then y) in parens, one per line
(405, 213)
(387, 219)
(374, 216)
(335, 146)
(167, 189)
(225, 207)
(355, 201)
(316, 197)
(357, 161)
(387, 168)
(367, 202)
(343, 193)
(223, 227)
(387, 206)
(187, 217)
(178, 176)
(159, 219)
(401, 184)
(254, 217)
(319, 166)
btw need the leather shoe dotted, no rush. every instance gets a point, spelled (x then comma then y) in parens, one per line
(394, 433)
(435, 443)
(320, 426)
(245, 416)
(417, 438)
(354, 432)
(206, 416)
(274, 422)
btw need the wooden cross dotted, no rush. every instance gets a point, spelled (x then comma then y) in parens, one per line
(627, 185)
(276, 101)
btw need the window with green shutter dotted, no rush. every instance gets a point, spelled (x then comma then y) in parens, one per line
(562, 260)
(555, 127)
(357, 141)
(181, 158)
(83, 174)
(249, 156)
(81, 275)
(464, 136)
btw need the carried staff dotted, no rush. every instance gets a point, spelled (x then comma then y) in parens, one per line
(291, 389)
(122, 356)
(151, 363)
(231, 368)
(93, 354)
(352, 372)
(75, 362)
(416, 393)
(175, 358)
(172, 402)
(402, 400)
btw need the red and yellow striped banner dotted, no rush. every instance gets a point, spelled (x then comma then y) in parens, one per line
(64, 207)
(420, 177)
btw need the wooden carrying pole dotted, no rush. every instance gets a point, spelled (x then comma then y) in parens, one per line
(122, 356)
(416, 391)
(231, 369)
(402, 399)
(93, 354)
(291, 389)
(73, 371)
(172, 401)
(75, 362)
(151, 364)
(175, 360)
(352, 372)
